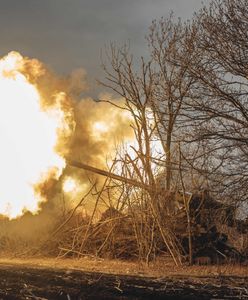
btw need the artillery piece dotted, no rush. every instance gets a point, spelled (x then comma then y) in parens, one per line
(86, 167)
(177, 199)
(209, 245)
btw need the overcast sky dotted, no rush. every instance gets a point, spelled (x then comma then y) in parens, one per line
(69, 34)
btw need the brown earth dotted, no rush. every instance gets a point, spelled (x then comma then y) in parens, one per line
(90, 278)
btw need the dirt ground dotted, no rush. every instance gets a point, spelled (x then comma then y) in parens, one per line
(90, 278)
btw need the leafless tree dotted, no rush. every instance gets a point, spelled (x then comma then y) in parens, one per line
(138, 90)
(172, 50)
(219, 104)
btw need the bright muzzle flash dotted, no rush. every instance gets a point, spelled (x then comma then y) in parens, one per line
(28, 134)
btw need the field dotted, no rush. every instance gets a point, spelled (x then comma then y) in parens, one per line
(90, 278)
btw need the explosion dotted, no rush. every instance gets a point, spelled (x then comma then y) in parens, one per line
(29, 132)
(37, 120)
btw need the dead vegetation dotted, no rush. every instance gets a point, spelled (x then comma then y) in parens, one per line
(128, 234)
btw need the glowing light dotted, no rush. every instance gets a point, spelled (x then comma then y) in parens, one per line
(28, 135)
(100, 129)
(133, 146)
(69, 185)
(100, 126)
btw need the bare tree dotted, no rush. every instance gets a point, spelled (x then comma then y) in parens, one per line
(172, 50)
(219, 104)
(138, 89)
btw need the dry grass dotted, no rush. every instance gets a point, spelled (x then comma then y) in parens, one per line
(160, 268)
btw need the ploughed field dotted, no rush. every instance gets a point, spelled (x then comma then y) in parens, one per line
(30, 281)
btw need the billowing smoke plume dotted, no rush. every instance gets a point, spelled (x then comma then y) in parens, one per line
(77, 128)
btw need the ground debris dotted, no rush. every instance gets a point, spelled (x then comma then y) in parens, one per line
(19, 282)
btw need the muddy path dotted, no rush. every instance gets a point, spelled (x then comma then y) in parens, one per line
(25, 282)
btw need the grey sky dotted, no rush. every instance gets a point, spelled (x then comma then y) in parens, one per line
(69, 34)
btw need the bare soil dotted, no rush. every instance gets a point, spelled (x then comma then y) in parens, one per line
(99, 279)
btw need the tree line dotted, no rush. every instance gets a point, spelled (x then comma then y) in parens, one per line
(191, 96)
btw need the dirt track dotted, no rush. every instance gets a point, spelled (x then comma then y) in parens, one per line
(24, 282)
